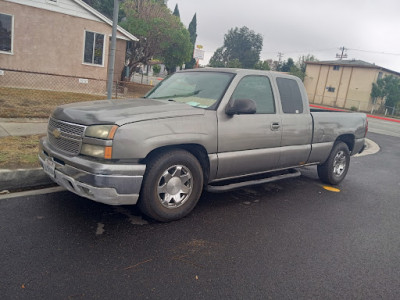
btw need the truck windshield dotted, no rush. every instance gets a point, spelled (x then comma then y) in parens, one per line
(198, 89)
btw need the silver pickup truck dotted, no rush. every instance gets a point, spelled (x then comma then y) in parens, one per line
(214, 129)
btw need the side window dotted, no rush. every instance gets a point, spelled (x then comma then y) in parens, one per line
(258, 89)
(292, 102)
(6, 33)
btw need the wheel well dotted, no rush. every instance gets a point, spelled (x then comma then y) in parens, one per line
(196, 150)
(348, 139)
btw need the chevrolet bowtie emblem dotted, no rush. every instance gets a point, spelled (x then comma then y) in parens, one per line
(57, 133)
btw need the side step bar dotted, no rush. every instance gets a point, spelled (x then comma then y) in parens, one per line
(232, 186)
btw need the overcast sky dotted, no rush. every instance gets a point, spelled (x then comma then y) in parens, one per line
(370, 29)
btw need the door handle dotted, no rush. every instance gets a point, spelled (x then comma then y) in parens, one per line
(275, 126)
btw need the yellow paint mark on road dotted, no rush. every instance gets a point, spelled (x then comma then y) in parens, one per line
(331, 189)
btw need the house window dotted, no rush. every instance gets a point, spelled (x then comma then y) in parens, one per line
(94, 48)
(336, 68)
(380, 75)
(331, 89)
(6, 33)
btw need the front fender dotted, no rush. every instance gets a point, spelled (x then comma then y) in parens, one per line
(137, 140)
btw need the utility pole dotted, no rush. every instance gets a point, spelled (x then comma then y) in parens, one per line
(342, 55)
(111, 58)
(280, 55)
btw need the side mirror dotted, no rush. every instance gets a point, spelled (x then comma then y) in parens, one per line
(241, 106)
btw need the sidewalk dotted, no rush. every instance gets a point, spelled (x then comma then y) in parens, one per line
(18, 127)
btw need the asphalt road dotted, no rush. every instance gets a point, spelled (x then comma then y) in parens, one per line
(291, 239)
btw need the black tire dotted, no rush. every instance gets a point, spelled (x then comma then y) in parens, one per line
(334, 170)
(172, 185)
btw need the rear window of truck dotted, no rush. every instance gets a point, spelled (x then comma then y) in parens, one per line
(292, 102)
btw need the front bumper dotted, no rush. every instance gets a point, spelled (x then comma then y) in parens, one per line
(113, 184)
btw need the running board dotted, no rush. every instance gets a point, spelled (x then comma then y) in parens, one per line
(228, 187)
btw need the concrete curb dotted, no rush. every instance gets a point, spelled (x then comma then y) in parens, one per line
(371, 148)
(23, 178)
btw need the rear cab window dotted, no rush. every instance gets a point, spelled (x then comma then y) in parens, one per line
(291, 100)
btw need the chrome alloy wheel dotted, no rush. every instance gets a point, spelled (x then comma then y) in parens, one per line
(339, 163)
(175, 186)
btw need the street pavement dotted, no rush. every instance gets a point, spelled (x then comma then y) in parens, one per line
(291, 239)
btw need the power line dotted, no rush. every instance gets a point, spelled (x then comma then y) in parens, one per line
(342, 55)
(297, 51)
(376, 52)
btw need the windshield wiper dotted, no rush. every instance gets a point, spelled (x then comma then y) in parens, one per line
(178, 95)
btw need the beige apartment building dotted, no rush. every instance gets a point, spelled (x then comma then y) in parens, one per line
(343, 83)
(58, 45)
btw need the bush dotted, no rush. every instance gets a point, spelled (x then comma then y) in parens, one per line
(156, 69)
(353, 108)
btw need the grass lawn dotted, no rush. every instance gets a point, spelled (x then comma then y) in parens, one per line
(28, 103)
(25, 103)
(19, 152)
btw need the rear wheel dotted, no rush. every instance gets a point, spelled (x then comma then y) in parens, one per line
(172, 186)
(334, 170)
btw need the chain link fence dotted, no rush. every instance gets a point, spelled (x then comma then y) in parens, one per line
(37, 82)
(386, 110)
(356, 105)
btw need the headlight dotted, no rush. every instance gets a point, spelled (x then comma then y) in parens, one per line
(105, 132)
(97, 151)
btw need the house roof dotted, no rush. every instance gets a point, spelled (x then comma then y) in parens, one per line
(105, 19)
(351, 63)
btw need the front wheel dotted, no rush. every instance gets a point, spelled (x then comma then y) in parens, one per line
(334, 170)
(172, 186)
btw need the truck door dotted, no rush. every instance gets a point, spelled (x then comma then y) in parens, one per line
(296, 124)
(250, 143)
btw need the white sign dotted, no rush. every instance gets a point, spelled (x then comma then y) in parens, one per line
(198, 54)
(1, 73)
(85, 81)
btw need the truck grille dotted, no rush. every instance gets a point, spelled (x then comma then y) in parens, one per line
(65, 136)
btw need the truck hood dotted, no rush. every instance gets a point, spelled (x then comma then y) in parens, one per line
(122, 111)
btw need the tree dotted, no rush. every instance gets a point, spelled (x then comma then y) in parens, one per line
(106, 7)
(262, 65)
(234, 63)
(301, 63)
(218, 60)
(178, 49)
(193, 36)
(286, 65)
(161, 35)
(242, 44)
(296, 71)
(388, 89)
(176, 12)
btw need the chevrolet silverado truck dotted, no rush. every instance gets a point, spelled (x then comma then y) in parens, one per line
(213, 129)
